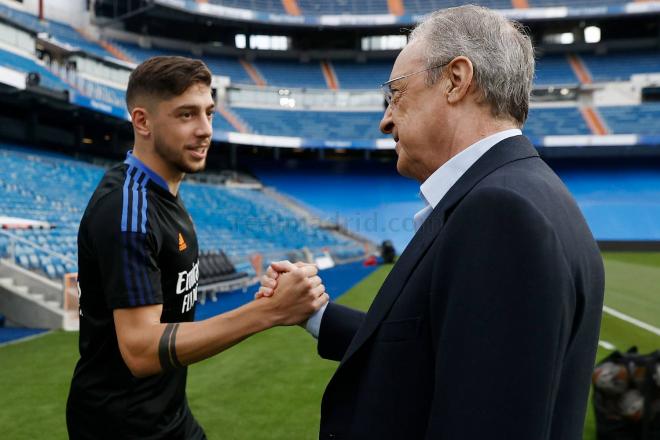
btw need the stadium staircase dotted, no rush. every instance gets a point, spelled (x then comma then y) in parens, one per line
(31, 300)
(329, 75)
(396, 7)
(520, 4)
(594, 121)
(236, 122)
(253, 73)
(291, 7)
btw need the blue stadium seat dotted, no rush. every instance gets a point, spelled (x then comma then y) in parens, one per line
(239, 222)
(620, 66)
(555, 121)
(333, 7)
(291, 73)
(219, 65)
(554, 70)
(426, 6)
(364, 125)
(550, 70)
(221, 124)
(369, 75)
(632, 119)
(575, 3)
(312, 124)
(274, 6)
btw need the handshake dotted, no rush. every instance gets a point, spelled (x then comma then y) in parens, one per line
(295, 292)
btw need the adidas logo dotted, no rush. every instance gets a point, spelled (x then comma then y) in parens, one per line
(182, 243)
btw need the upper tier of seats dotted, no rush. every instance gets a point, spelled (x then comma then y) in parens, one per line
(59, 31)
(638, 119)
(376, 7)
(312, 124)
(220, 65)
(364, 125)
(239, 222)
(274, 6)
(426, 6)
(550, 69)
(332, 7)
(620, 66)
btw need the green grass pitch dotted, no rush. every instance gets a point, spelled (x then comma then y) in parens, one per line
(270, 386)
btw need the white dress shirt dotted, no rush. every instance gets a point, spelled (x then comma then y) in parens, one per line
(434, 189)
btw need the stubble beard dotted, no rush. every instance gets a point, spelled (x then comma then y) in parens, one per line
(174, 157)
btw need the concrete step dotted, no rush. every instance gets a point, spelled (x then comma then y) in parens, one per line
(7, 282)
(22, 289)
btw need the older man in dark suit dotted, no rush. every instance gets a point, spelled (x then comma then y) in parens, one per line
(487, 325)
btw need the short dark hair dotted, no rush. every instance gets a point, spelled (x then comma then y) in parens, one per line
(165, 77)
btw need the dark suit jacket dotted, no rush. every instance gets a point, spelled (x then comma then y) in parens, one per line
(487, 325)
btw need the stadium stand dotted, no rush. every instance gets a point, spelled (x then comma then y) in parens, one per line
(291, 74)
(620, 66)
(222, 124)
(379, 7)
(59, 31)
(575, 3)
(138, 54)
(425, 6)
(619, 202)
(274, 6)
(383, 210)
(228, 66)
(633, 119)
(554, 70)
(26, 65)
(550, 69)
(332, 7)
(216, 268)
(555, 121)
(364, 125)
(312, 124)
(368, 75)
(239, 222)
(219, 65)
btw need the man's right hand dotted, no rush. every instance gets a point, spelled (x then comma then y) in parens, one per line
(299, 293)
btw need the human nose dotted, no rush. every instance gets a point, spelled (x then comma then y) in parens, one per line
(205, 128)
(386, 123)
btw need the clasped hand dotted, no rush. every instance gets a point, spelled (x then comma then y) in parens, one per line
(295, 291)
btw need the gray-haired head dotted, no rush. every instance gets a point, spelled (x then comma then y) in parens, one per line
(501, 54)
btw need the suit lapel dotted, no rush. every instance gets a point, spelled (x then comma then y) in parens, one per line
(506, 151)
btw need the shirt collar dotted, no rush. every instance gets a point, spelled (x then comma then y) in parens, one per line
(137, 163)
(440, 182)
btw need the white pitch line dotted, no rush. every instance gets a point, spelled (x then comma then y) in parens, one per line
(25, 338)
(606, 345)
(631, 320)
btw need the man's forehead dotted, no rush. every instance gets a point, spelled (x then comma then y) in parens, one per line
(195, 95)
(409, 60)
